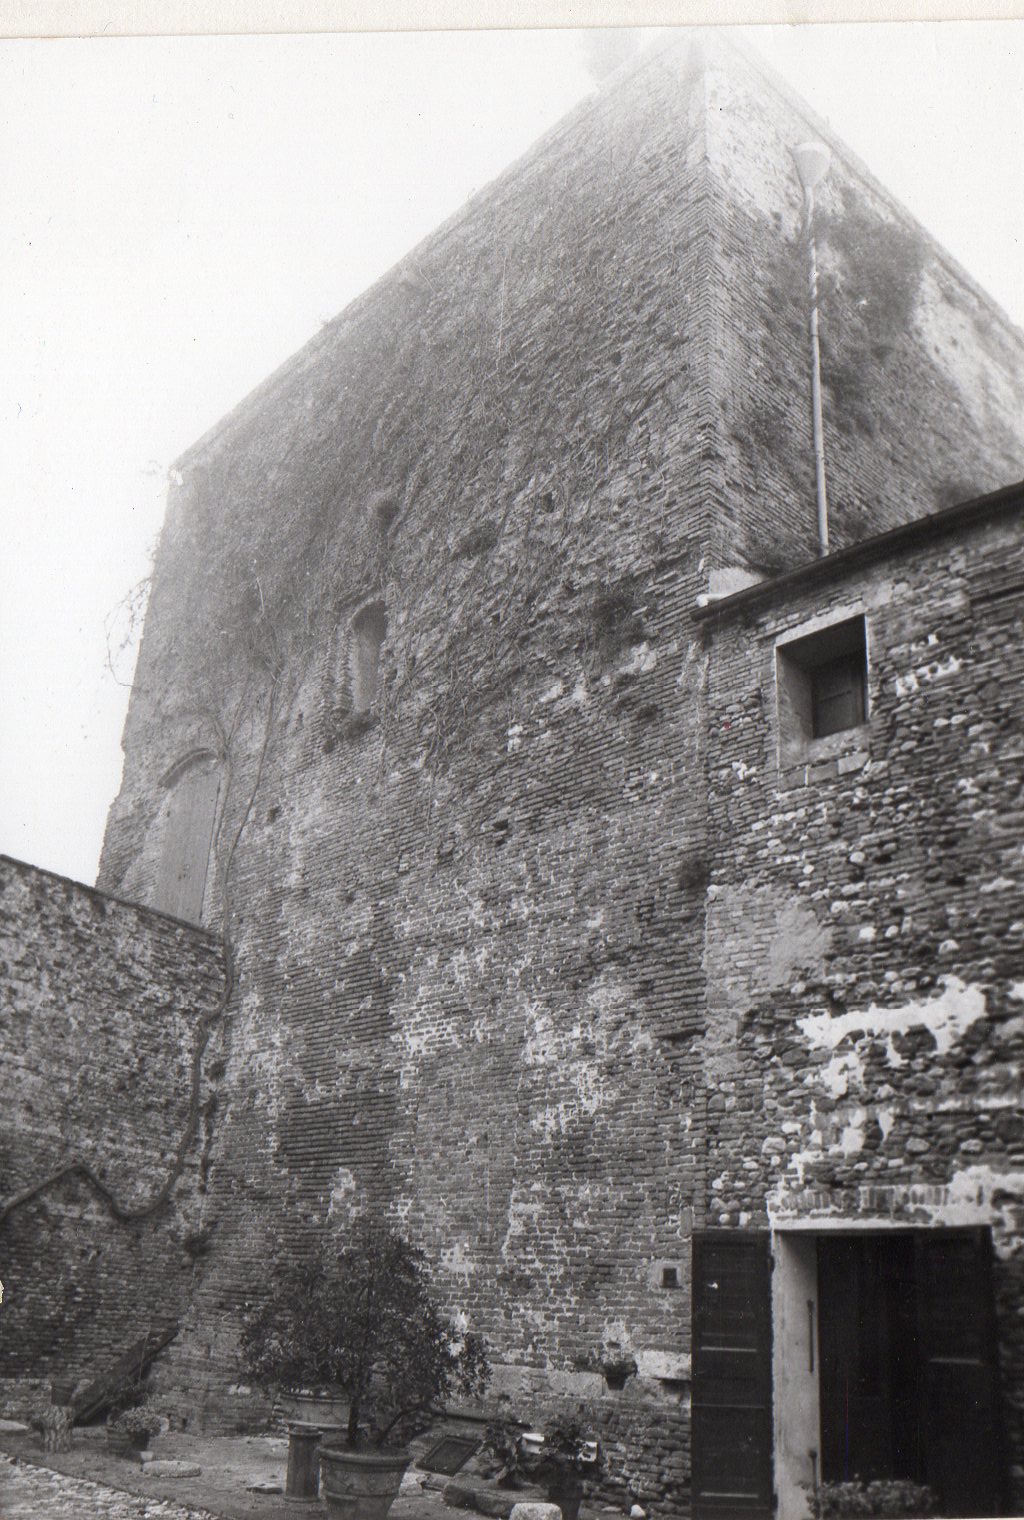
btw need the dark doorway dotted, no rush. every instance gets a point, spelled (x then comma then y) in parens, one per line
(907, 1369)
(870, 1371)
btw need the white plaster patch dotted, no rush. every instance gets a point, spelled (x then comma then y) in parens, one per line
(553, 693)
(584, 1059)
(671, 1365)
(1017, 992)
(342, 1191)
(947, 1017)
(924, 674)
(978, 1193)
(424, 1038)
(523, 1214)
(851, 1140)
(455, 1260)
(615, 1336)
(835, 1077)
(642, 660)
(731, 578)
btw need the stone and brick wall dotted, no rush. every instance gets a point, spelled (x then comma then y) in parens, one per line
(864, 934)
(470, 923)
(101, 1003)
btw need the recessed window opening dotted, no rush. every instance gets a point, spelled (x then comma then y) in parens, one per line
(822, 682)
(369, 628)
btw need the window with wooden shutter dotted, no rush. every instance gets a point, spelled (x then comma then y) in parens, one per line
(821, 684)
(731, 1436)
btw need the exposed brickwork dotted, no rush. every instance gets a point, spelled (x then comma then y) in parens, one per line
(473, 931)
(101, 1002)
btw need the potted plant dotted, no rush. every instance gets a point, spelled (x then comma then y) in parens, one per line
(122, 1439)
(503, 1447)
(361, 1319)
(133, 1429)
(569, 1452)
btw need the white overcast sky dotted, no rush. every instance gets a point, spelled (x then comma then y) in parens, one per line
(180, 214)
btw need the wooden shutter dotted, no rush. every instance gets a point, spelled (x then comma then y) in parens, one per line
(956, 1328)
(837, 695)
(731, 1437)
(187, 836)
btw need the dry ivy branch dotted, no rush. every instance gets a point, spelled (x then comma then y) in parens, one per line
(259, 592)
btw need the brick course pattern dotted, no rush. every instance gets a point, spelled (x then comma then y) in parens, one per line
(101, 1002)
(473, 931)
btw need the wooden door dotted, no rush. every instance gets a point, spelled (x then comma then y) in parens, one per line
(731, 1433)
(963, 1452)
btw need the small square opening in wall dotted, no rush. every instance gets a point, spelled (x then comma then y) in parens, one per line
(822, 684)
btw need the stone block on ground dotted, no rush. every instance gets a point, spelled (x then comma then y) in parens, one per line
(497, 1503)
(534, 1510)
(163, 1467)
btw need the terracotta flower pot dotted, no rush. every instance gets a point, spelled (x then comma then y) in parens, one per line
(315, 1408)
(360, 1485)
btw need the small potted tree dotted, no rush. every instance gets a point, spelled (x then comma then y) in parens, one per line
(362, 1320)
(569, 1453)
(559, 1457)
(130, 1424)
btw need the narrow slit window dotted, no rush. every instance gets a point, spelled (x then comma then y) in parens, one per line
(369, 628)
(187, 823)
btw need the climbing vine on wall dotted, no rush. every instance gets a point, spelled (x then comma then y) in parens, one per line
(444, 447)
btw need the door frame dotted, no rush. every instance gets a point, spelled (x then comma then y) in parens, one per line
(796, 1415)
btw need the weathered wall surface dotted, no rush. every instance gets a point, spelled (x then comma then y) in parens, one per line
(864, 938)
(470, 922)
(922, 374)
(604, 353)
(101, 1005)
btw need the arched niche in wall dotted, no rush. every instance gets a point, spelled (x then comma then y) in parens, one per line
(188, 816)
(369, 628)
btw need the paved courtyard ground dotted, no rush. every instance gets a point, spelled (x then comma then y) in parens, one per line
(89, 1483)
(37, 1493)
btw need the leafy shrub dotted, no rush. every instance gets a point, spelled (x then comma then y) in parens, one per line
(566, 1441)
(502, 1445)
(362, 1320)
(882, 1497)
(131, 1395)
(137, 1421)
